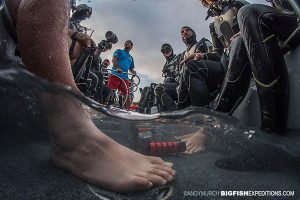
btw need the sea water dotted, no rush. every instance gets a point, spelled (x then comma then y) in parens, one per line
(232, 158)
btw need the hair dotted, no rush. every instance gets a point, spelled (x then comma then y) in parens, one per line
(129, 42)
(206, 3)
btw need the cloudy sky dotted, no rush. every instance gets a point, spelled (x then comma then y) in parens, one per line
(149, 24)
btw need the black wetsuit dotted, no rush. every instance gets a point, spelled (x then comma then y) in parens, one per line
(200, 81)
(262, 27)
(8, 39)
(170, 69)
(237, 79)
(165, 92)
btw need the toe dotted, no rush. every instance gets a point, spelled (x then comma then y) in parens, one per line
(155, 179)
(162, 173)
(166, 169)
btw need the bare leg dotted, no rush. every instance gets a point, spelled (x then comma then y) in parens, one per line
(77, 145)
(127, 103)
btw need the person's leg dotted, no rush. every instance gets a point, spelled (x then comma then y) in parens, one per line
(127, 102)
(99, 90)
(237, 79)
(94, 83)
(77, 145)
(184, 99)
(261, 27)
(105, 93)
(125, 93)
(203, 77)
(162, 93)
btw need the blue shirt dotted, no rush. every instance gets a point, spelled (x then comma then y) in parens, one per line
(125, 62)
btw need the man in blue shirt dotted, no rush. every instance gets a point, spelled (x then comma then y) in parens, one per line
(122, 62)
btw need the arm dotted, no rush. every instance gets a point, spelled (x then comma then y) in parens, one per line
(217, 44)
(82, 38)
(131, 69)
(116, 65)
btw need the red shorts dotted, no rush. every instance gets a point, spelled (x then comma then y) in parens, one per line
(117, 83)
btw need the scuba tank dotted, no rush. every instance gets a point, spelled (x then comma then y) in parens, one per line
(225, 19)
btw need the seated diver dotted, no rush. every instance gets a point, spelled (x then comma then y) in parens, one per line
(201, 74)
(269, 26)
(80, 13)
(77, 145)
(100, 69)
(236, 64)
(76, 43)
(165, 92)
(227, 41)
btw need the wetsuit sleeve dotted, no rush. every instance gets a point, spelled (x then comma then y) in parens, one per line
(217, 44)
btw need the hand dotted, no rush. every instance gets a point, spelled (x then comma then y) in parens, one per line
(195, 56)
(133, 72)
(235, 36)
(198, 56)
(119, 70)
(84, 40)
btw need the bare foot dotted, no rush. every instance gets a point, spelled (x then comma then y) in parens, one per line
(194, 142)
(79, 147)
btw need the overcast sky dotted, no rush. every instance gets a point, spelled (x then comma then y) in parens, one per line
(149, 24)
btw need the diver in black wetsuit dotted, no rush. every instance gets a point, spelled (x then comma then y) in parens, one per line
(263, 29)
(170, 68)
(201, 74)
(80, 13)
(228, 42)
(165, 92)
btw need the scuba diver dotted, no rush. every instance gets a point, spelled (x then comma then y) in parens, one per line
(99, 69)
(80, 13)
(227, 41)
(201, 74)
(103, 67)
(230, 51)
(170, 68)
(165, 92)
(265, 30)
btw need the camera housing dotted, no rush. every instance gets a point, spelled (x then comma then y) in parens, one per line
(111, 38)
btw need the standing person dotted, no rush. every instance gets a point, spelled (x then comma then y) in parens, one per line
(262, 28)
(202, 72)
(77, 145)
(118, 80)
